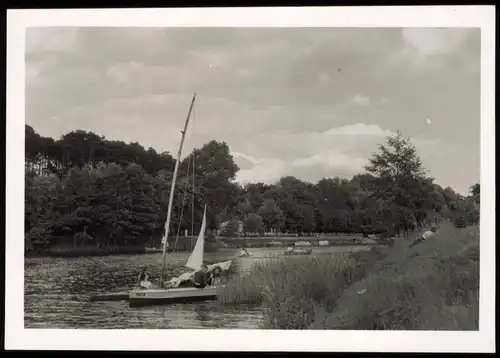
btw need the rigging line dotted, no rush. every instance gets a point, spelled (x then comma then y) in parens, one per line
(154, 223)
(192, 195)
(186, 185)
(182, 206)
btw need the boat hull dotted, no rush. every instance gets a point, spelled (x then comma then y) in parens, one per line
(114, 296)
(154, 250)
(298, 252)
(159, 296)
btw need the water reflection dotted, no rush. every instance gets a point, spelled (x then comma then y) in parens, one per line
(57, 292)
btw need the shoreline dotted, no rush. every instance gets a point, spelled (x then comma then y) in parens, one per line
(95, 252)
(100, 252)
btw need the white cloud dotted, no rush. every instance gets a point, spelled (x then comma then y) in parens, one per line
(310, 156)
(267, 171)
(434, 41)
(359, 129)
(428, 47)
(247, 157)
(360, 100)
(331, 159)
(340, 151)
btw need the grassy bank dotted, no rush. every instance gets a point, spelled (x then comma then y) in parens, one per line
(433, 285)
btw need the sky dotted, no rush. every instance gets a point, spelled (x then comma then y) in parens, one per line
(307, 102)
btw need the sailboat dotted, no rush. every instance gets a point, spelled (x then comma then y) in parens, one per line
(174, 293)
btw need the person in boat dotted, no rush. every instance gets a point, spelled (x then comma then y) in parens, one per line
(426, 235)
(214, 278)
(200, 278)
(144, 280)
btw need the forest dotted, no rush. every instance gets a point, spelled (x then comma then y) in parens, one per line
(85, 190)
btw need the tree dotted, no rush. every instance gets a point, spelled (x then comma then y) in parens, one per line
(451, 198)
(253, 223)
(85, 190)
(271, 215)
(475, 193)
(254, 194)
(400, 178)
(215, 171)
(231, 228)
(244, 207)
(475, 189)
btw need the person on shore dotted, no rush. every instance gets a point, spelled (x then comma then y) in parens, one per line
(426, 235)
(244, 252)
(200, 278)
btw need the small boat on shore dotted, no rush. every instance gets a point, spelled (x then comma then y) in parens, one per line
(298, 252)
(244, 253)
(155, 250)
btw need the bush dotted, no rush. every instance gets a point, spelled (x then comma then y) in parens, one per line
(289, 288)
(231, 229)
(460, 222)
(210, 237)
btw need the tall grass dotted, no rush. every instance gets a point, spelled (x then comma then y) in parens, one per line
(433, 285)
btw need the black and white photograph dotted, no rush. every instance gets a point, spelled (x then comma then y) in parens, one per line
(251, 178)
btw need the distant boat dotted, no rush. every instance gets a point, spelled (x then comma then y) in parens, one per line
(162, 294)
(244, 253)
(154, 250)
(292, 251)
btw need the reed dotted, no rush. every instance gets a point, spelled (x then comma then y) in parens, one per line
(433, 285)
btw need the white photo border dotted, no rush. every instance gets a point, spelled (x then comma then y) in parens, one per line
(17, 337)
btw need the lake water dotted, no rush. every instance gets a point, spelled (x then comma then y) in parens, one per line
(57, 291)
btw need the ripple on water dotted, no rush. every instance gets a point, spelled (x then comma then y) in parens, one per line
(57, 290)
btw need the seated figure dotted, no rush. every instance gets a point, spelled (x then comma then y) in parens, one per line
(215, 278)
(144, 280)
(200, 278)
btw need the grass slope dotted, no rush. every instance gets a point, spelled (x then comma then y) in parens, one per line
(432, 286)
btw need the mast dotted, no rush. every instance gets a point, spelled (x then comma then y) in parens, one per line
(172, 189)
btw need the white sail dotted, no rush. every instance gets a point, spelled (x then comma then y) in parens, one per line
(196, 259)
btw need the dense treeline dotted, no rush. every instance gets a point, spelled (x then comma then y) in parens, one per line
(84, 190)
